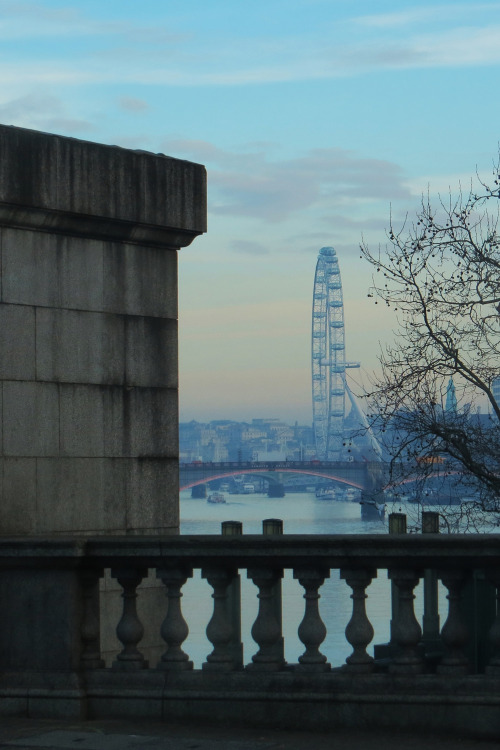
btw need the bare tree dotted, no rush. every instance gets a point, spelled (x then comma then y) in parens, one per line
(441, 276)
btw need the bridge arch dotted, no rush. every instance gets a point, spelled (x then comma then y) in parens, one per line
(268, 476)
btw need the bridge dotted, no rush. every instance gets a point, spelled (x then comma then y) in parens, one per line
(367, 476)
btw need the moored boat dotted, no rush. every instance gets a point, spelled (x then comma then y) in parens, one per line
(216, 497)
(326, 493)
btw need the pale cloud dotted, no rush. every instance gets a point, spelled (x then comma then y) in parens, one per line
(249, 247)
(424, 14)
(444, 184)
(21, 20)
(43, 112)
(127, 52)
(341, 222)
(253, 185)
(132, 104)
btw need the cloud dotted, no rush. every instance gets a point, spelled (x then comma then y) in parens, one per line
(249, 247)
(424, 14)
(41, 112)
(131, 104)
(340, 222)
(36, 20)
(251, 184)
(126, 52)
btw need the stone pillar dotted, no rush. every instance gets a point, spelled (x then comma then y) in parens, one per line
(88, 334)
(88, 327)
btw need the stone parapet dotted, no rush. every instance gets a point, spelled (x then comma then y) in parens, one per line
(51, 655)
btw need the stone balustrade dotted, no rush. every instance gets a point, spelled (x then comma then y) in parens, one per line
(51, 662)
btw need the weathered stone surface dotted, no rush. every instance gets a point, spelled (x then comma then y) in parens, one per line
(56, 610)
(81, 495)
(70, 186)
(79, 347)
(17, 342)
(151, 485)
(30, 419)
(140, 280)
(140, 422)
(118, 422)
(18, 498)
(82, 419)
(151, 352)
(50, 270)
(88, 361)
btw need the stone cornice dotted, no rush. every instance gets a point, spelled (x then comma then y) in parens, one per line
(55, 184)
(94, 227)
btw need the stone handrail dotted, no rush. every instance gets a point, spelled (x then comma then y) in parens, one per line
(49, 590)
(311, 558)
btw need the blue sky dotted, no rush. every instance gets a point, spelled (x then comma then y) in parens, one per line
(314, 118)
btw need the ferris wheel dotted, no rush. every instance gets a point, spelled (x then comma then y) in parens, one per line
(328, 363)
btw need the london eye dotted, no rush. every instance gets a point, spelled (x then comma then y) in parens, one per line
(328, 363)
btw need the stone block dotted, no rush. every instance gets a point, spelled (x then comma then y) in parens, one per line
(82, 419)
(51, 270)
(17, 342)
(18, 497)
(140, 422)
(45, 606)
(30, 419)
(151, 352)
(79, 347)
(140, 280)
(118, 422)
(152, 496)
(81, 495)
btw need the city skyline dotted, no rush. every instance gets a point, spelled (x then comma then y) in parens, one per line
(315, 120)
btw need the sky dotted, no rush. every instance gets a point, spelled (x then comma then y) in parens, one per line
(316, 119)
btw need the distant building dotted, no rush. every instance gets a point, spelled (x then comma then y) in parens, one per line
(495, 387)
(451, 398)
(263, 439)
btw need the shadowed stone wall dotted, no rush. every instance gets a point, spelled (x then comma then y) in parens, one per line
(88, 333)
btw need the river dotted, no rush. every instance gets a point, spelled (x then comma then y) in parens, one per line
(302, 513)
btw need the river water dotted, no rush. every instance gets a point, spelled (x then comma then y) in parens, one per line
(302, 513)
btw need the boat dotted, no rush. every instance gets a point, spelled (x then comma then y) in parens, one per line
(216, 498)
(352, 495)
(326, 493)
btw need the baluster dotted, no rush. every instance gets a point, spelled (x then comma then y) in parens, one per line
(174, 629)
(493, 667)
(312, 630)
(220, 628)
(266, 630)
(359, 631)
(129, 630)
(406, 630)
(90, 630)
(454, 632)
